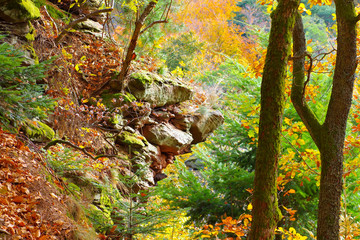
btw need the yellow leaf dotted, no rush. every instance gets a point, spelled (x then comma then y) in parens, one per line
(301, 141)
(309, 49)
(246, 222)
(249, 207)
(291, 191)
(205, 236)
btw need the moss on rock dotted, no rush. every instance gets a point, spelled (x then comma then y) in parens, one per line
(19, 11)
(112, 100)
(132, 139)
(38, 131)
(52, 9)
(144, 78)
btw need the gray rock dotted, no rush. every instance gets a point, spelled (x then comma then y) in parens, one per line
(169, 138)
(205, 124)
(90, 25)
(150, 87)
(183, 122)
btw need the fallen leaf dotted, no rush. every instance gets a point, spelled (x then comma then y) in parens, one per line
(18, 199)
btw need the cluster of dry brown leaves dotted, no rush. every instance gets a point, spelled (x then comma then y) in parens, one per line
(30, 208)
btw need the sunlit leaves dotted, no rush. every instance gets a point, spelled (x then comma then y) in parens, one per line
(319, 2)
(240, 227)
(290, 234)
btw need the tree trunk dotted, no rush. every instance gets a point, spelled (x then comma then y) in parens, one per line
(132, 45)
(329, 137)
(265, 212)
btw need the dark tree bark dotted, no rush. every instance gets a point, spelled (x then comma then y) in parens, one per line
(266, 213)
(329, 136)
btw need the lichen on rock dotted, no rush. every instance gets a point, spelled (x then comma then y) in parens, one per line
(112, 100)
(38, 131)
(132, 139)
(19, 11)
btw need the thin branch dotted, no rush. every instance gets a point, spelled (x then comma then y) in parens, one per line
(159, 21)
(152, 24)
(51, 20)
(308, 73)
(52, 143)
(299, 153)
(324, 55)
(79, 20)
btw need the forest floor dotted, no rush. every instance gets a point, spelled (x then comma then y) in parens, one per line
(29, 205)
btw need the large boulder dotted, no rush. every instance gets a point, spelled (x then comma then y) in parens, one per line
(205, 124)
(152, 88)
(168, 138)
(18, 10)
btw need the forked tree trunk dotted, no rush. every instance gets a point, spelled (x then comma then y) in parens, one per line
(266, 213)
(329, 137)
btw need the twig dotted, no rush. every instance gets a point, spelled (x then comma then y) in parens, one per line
(292, 146)
(51, 20)
(152, 24)
(82, 19)
(54, 142)
(107, 156)
(159, 21)
(308, 73)
(324, 55)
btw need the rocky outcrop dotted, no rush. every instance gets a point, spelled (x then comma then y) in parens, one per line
(159, 91)
(150, 119)
(168, 126)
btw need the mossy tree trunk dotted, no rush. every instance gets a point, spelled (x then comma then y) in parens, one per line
(329, 136)
(266, 213)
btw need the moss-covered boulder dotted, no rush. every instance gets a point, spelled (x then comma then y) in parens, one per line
(18, 10)
(38, 131)
(158, 90)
